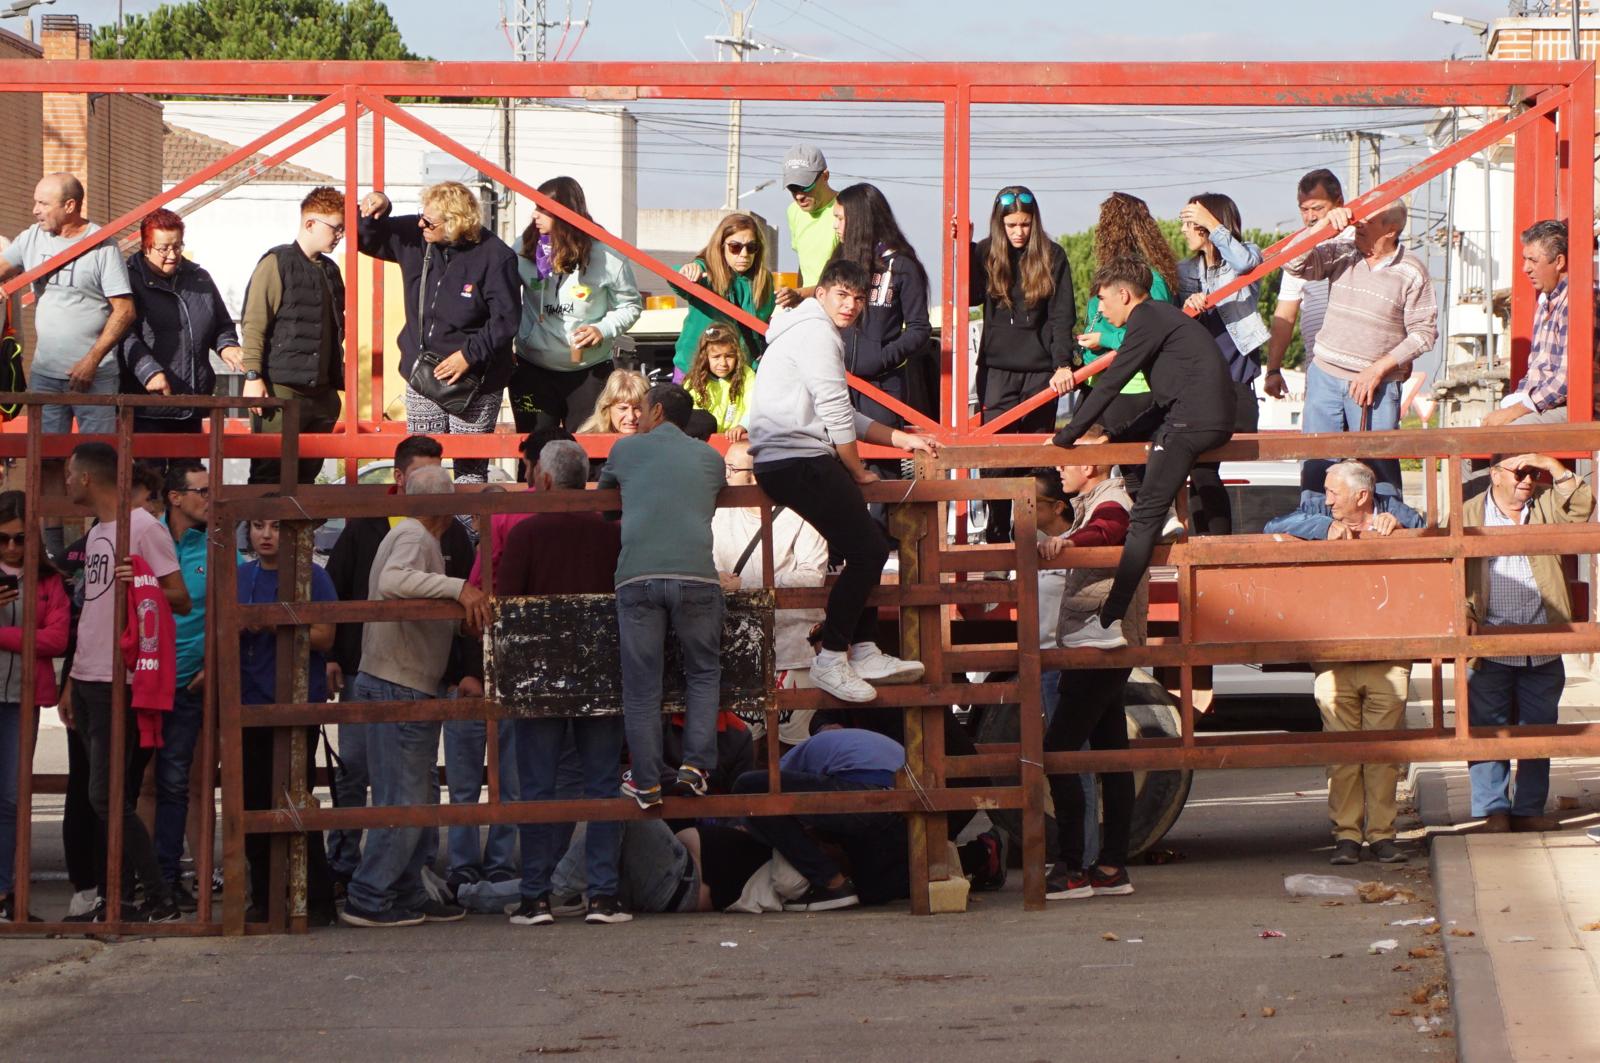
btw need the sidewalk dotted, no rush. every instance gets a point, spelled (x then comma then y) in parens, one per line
(1526, 984)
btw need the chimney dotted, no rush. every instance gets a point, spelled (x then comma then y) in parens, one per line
(66, 115)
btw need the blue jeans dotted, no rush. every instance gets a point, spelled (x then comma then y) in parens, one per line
(1492, 693)
(1329, 408)
(655, 868)
(179, 733)
(465, 742)
(539, 745)
(1050, 692)
(10, 765)
(92, 420)
(402, 758)
(645, 609)
(349, 791)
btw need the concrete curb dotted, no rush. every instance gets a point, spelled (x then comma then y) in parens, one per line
(1431, 796)
(1474, 995)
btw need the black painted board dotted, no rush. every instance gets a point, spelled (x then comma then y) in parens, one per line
(557, 655)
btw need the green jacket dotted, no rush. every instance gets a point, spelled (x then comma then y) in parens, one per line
(701, 314)
(1111, 335)
(1546, 507)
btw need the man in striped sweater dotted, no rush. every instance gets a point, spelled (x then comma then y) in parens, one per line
(1381, 316)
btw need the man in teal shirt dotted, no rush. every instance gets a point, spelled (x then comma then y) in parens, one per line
(666, 577)
(188, 489)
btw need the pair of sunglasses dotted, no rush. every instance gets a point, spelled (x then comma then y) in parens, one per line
(1008, 199)
(739, 247)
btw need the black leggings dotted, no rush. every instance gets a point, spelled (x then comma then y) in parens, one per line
(1172, 457)
(1004, 390)
(1210, 511)
(79, 824)
(1090, 709)
(823, 494)
(551, 398)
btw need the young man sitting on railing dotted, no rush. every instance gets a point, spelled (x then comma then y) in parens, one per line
(1357, 695)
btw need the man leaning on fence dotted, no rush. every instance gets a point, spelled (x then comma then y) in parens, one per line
(405, 660)
(1357, 695)
(1519, 589)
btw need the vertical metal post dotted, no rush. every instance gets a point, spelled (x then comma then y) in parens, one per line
(292, 664)
(1458, 566)
(1580, 266)
(352, 267)
(375, 286)
(907, 527)
(953, 383)
(207, 754)
(229, 694)
(491, 727)
(1025, 516)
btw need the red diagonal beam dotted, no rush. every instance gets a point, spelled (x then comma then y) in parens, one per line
(194, 180)
(1296, 244)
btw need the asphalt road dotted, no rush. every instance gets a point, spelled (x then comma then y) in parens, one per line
(1188, 978)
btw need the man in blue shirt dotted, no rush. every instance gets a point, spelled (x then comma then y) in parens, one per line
(834, 758)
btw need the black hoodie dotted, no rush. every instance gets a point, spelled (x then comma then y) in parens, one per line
(891, 332)
(1019, 337)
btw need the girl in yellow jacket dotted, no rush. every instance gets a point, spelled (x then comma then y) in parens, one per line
(721, 380)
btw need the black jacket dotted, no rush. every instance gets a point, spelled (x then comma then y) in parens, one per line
(1019, 337)
(181, 321)
(892, 332)
(1188, 377)
(350, 568)
(310, 317)
(474, 298)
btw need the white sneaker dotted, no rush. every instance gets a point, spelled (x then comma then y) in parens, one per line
(838, 678)
(83, 902)
(1094, 636)
(1173, 529)
(875, 666)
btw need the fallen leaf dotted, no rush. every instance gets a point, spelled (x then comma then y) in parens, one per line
(1333, 904)
(1506, 909)
(1421, 994)
(1568, 803)
(1458, 932)
(1397, 1012)
(1402, 968)
(1426, 952)
(1434, 929)
(1383, 893)
(1444, 1033)
(1591, 926)
(1108, 936)
(1267, 1013)
(1334, 956)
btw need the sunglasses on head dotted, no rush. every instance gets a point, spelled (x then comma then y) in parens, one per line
(739, 247)
(1008, 199)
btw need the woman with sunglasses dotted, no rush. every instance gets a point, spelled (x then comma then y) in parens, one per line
(578, 297)
(463, 302)
(734, 266)
(181, 320)
(1023, 282)
(1219, 254)
(894, 329)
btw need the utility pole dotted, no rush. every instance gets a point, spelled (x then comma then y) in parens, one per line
(738, 44)
(1374, 142)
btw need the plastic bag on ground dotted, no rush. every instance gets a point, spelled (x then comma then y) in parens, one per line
(1321, 886)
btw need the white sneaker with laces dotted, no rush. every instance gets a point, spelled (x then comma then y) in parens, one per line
(1173, 529)
(875, 666)
(83, 902)
(838, 678)
(1095, 636)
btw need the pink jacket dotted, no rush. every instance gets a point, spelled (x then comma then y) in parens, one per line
(54, 619)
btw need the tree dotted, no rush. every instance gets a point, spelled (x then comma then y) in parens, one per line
(1080, 256)
(259, 29)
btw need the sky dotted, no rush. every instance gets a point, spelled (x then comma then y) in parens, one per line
(1071, 157)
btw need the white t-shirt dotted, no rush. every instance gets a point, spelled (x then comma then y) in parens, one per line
(150, 540)
(71, 311)
(1313, 297)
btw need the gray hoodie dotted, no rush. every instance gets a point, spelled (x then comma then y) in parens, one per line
(801, 406)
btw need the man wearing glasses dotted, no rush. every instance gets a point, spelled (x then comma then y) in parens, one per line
(293, 329)
(1518, 589)
(811, 234)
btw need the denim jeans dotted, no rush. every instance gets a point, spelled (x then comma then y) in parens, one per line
(1329, 408)
(402, 758)
(179, 733)
(92, 420)
(1492, 692)
(539, 745)
(1049, 695)
(10, 764)
(465, 742)
(655, 868)
(645, 609)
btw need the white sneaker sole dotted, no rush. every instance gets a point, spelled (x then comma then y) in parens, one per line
(1071, 895)
(909, 673)
(855, 697)
(620, 917)
(372, 924)
(532, 920)
(1095, 644)
(1112, 891)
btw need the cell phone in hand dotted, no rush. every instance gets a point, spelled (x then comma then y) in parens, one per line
(8, 582)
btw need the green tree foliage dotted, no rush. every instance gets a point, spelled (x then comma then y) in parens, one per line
(259, 29)
(1080, 255)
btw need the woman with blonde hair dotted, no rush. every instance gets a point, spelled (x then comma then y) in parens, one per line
(463, 302)
(621, 402)
(734, 265)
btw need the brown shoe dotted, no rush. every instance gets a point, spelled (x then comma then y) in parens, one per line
(1496, 823)
(1534, 824)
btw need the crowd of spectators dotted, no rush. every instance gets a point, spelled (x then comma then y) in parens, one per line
(539, 324)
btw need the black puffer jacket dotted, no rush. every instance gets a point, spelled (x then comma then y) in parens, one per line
(474, 298)
(182, 319)
(891, 333)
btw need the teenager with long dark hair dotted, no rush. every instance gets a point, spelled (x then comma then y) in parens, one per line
(1023, 282)
(578, 297)
(1219, 256)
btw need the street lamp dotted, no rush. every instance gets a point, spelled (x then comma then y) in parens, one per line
(1476, 25)
(22, 7)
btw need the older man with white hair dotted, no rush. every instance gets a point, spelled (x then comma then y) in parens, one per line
(405, 660)
(1358, 695)
(1381, 317)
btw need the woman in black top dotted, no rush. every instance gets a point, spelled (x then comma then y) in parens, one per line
(1023, 282)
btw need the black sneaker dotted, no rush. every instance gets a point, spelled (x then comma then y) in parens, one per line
(824, 898)
(97, 914)
(535, 912)
(1346, 851)
(433, 911)
(647, 799)
(162, 911)
(1067, 884)
(1385, 851)
(354, 915)
(1116, 884)
(692, 782)
(183, 897)
(606, 909)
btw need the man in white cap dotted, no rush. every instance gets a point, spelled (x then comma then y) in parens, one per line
(811, 234)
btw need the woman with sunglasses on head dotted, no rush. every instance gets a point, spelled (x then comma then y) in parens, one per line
(894, 329)
(463, 302)
(578, 297)
(181, 320)
(1220, 255)
(1023, 282)
(734, 266)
